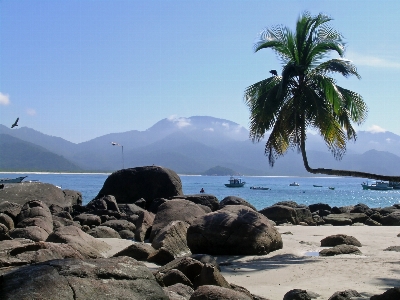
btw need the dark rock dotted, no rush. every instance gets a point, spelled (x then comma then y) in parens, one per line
(233, 200)
(173, 238)
(339, 239)
(345, 218)
(342, 209)
(144, 224)
(361, 208)
(340, 249)
(138, 251)
(291, 204)
(7, 221)
(11, 209)
(45, 192)
(201, 199)
(280, 214)
(179, 291)
(153, 207)
(390, 294)
(345, 295)
(187, 265)
(126, 234)
(106, 202)
(233, 230)
(393, 248)
(73, 197)
(141, 203)
(211, 292)
(119, 225)
(88, 219)
(393, 219)
(175, 210)
(210, 275)
(175, 276)
(319, 206)
(371, 222)
(150, 182)
(4, 233)
(85, 244)
(297, 294)
(66, 222)
(103, 232)
(33, 233)
(125, 278)
(161, 256)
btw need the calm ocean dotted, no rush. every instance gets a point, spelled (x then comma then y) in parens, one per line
(348, 191)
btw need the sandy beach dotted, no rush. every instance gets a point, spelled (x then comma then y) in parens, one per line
(296, 266)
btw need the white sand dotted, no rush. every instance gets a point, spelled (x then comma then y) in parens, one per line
(273, 275)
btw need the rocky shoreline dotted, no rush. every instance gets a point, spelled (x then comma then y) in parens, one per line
(52, 247)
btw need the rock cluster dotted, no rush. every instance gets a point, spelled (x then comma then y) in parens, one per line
(50, 246)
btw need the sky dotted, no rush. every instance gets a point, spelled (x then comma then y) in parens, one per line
(79, 69)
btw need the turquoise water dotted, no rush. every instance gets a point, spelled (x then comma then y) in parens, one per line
(348, 191)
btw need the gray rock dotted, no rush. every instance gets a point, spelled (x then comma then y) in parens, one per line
(149, 183)
(201, 199)
(175, 276)
(345, 295)
(319, 206)
(88, 219)
(144, 224)
(175, 210)
(161, 256)
(10, 208)
(106, 202)
(280, 214)
(187, 265)
(85, 244)
(73, 197)
(179, 291)
(297, 294)
(233, 230)
(138, 251)
(119, 225)
(7, 221)
(393, 219)
(121, 277)
(173, 238)
(127, 234)
(390, 294)
(210, 275)
(33, 233)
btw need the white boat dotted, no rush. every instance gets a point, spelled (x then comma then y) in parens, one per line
(294, 184)
(378, 186)
(12, 180)
(259, 188)
(235, 182)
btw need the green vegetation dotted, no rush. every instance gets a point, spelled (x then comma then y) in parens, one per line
(305, 96)
(220, 171)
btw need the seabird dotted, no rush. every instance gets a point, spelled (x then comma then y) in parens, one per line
(15, 123)
(273, 72)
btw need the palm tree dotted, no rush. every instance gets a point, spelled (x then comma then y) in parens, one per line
(305, 96)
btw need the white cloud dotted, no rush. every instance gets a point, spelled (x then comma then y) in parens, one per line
(4, 99)
(373, 61)
(208, 129)
(31, 112)
(388, 140)
(180, 122)
(226, 125)
(376, 129)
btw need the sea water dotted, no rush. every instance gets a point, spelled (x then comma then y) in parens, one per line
(347, 190)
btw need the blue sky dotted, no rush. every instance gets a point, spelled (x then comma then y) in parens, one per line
(82, 69)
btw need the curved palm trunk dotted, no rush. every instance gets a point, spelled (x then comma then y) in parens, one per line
(340, 172)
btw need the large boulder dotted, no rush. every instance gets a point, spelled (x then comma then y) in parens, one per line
(88, 219)
(85, 244)
(10, 208)
(390, 294)
(339, 239)
(280, 214)
(23, 192)
(216, 292)
(103, 232)
(174, 210)
(233, 230)
(105, 204)
(345, 295)
(392, 219)
(100, 279)
(138, 251)
(149, 182)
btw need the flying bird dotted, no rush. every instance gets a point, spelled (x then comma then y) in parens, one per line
(273, 72)
(15, 123)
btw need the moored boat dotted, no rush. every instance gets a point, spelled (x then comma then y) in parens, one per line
(12, 180)
(378, 186)
(235, 182)
(294, 184)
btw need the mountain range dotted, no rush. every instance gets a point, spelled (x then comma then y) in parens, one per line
(189, 146)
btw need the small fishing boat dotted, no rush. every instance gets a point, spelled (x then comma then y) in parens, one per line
(314, 185)
(331, 188)
(12, 180)
(377, 186)
(259, 188)
(294, 184)
(235, 182)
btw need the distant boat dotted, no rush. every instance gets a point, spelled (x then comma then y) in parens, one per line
(395, 185)
(294, 184)
(331, 188)
(259, 188)
(314, 185)
(377, 186)
(12, 180)
(235, 182)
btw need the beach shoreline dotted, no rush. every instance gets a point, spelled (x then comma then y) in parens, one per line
(296, 265)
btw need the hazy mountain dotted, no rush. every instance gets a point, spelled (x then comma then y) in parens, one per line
(196, 144)
(18, 155)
